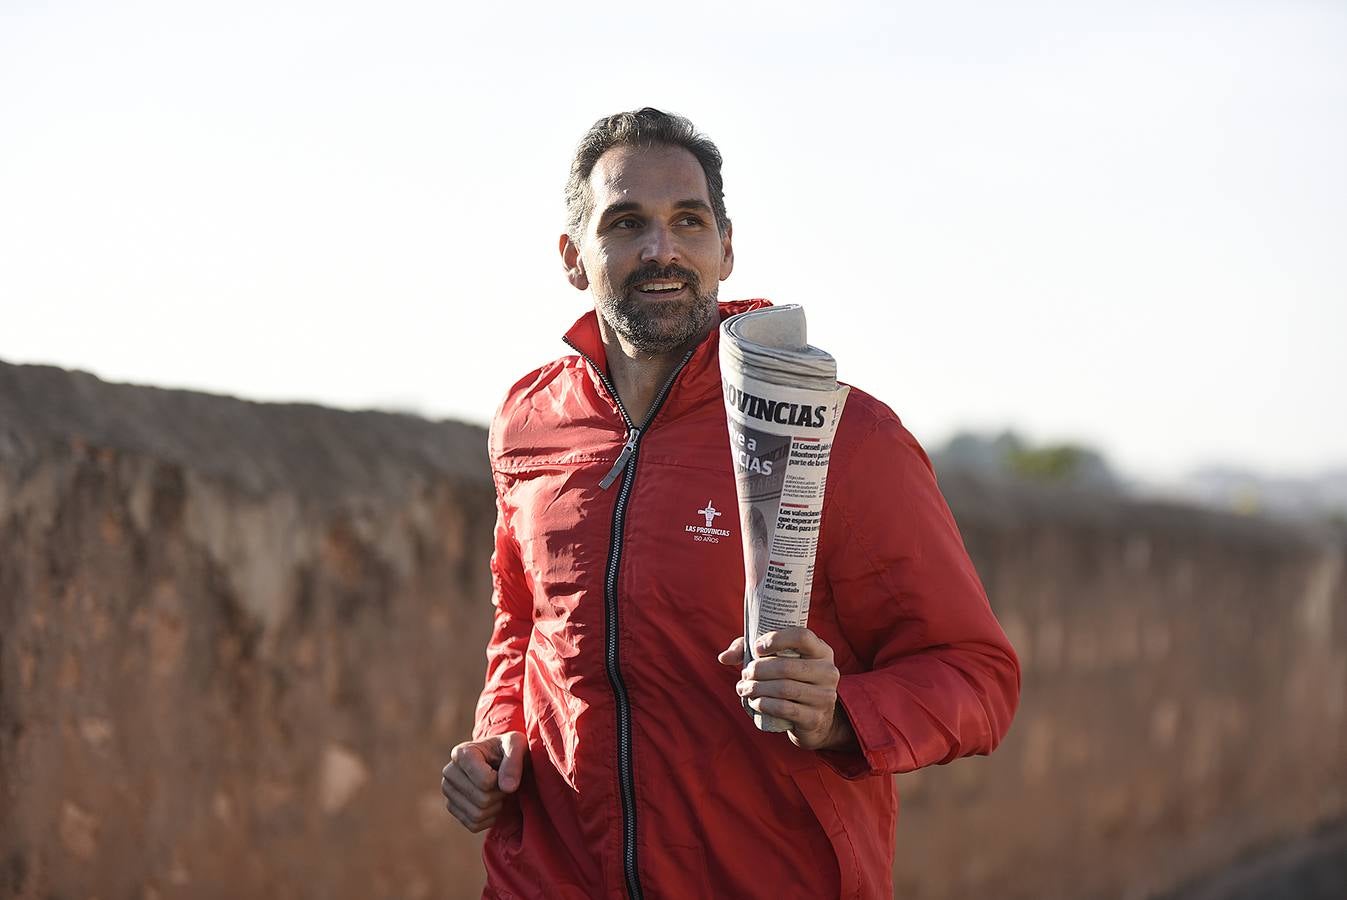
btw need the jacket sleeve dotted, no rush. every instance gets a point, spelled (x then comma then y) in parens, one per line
(937, 677)
(501, 705)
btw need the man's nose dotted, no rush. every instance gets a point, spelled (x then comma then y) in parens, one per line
(659, 245)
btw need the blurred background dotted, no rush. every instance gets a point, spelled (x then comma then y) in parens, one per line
(1093, 255)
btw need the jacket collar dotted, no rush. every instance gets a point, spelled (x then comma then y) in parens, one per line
(701, 375)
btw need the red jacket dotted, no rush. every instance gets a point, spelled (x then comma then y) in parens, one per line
(645, 776)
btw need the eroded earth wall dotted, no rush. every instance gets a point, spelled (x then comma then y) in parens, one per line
(238, 639)
(238, 642)
(1184, 701)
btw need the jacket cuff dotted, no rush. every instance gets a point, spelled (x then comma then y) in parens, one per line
(501, 718)
(882, 750)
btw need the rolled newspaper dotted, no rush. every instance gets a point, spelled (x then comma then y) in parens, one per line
(783, 402)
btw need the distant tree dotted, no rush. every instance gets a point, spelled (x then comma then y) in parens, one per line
(985, 454)
(1061, 463)
(1008, 455)
(1057, 462)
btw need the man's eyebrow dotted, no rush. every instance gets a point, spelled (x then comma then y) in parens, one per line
(625, 206)
(699, 205)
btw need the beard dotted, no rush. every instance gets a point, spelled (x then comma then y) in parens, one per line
(651, 325)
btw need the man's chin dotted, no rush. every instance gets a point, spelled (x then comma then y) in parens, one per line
(648, 340)
(659, 326)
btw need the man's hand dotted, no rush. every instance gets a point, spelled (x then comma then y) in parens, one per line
(480, 774)
(802, 690)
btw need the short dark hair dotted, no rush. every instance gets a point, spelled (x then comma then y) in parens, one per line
(641, 128)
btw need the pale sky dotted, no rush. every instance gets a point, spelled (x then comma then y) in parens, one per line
(1121, 223)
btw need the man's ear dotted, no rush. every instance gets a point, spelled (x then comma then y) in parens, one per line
(575, 266)
(727, 252)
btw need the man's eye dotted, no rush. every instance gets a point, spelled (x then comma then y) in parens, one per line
(690, 220)
(626, 223)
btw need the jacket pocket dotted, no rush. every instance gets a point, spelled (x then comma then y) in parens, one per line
(821, 802)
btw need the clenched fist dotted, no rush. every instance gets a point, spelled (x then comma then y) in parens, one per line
(480, 774)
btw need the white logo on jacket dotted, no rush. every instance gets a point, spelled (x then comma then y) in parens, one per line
(710, 512)
(706, 532)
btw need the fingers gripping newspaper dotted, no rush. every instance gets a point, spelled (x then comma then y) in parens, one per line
(783, 402)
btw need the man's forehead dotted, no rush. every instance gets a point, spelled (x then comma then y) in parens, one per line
(647, 173)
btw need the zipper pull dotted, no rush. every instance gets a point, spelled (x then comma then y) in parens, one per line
(627, 450)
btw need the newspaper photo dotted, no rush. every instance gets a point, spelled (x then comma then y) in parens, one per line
(783, 403)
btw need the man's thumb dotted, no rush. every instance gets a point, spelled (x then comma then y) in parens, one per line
(513, 746)
(733, 655)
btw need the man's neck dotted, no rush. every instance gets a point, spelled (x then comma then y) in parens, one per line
(638, 375)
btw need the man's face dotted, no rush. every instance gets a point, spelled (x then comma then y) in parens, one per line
(651, 251)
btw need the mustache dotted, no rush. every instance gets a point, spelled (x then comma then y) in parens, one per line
(653, 272)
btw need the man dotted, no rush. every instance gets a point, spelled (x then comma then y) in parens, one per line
(612, 756)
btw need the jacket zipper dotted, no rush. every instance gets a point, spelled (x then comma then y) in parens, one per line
(628, 449)
(625, 465)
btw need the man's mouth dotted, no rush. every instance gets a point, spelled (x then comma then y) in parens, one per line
(660, 288)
